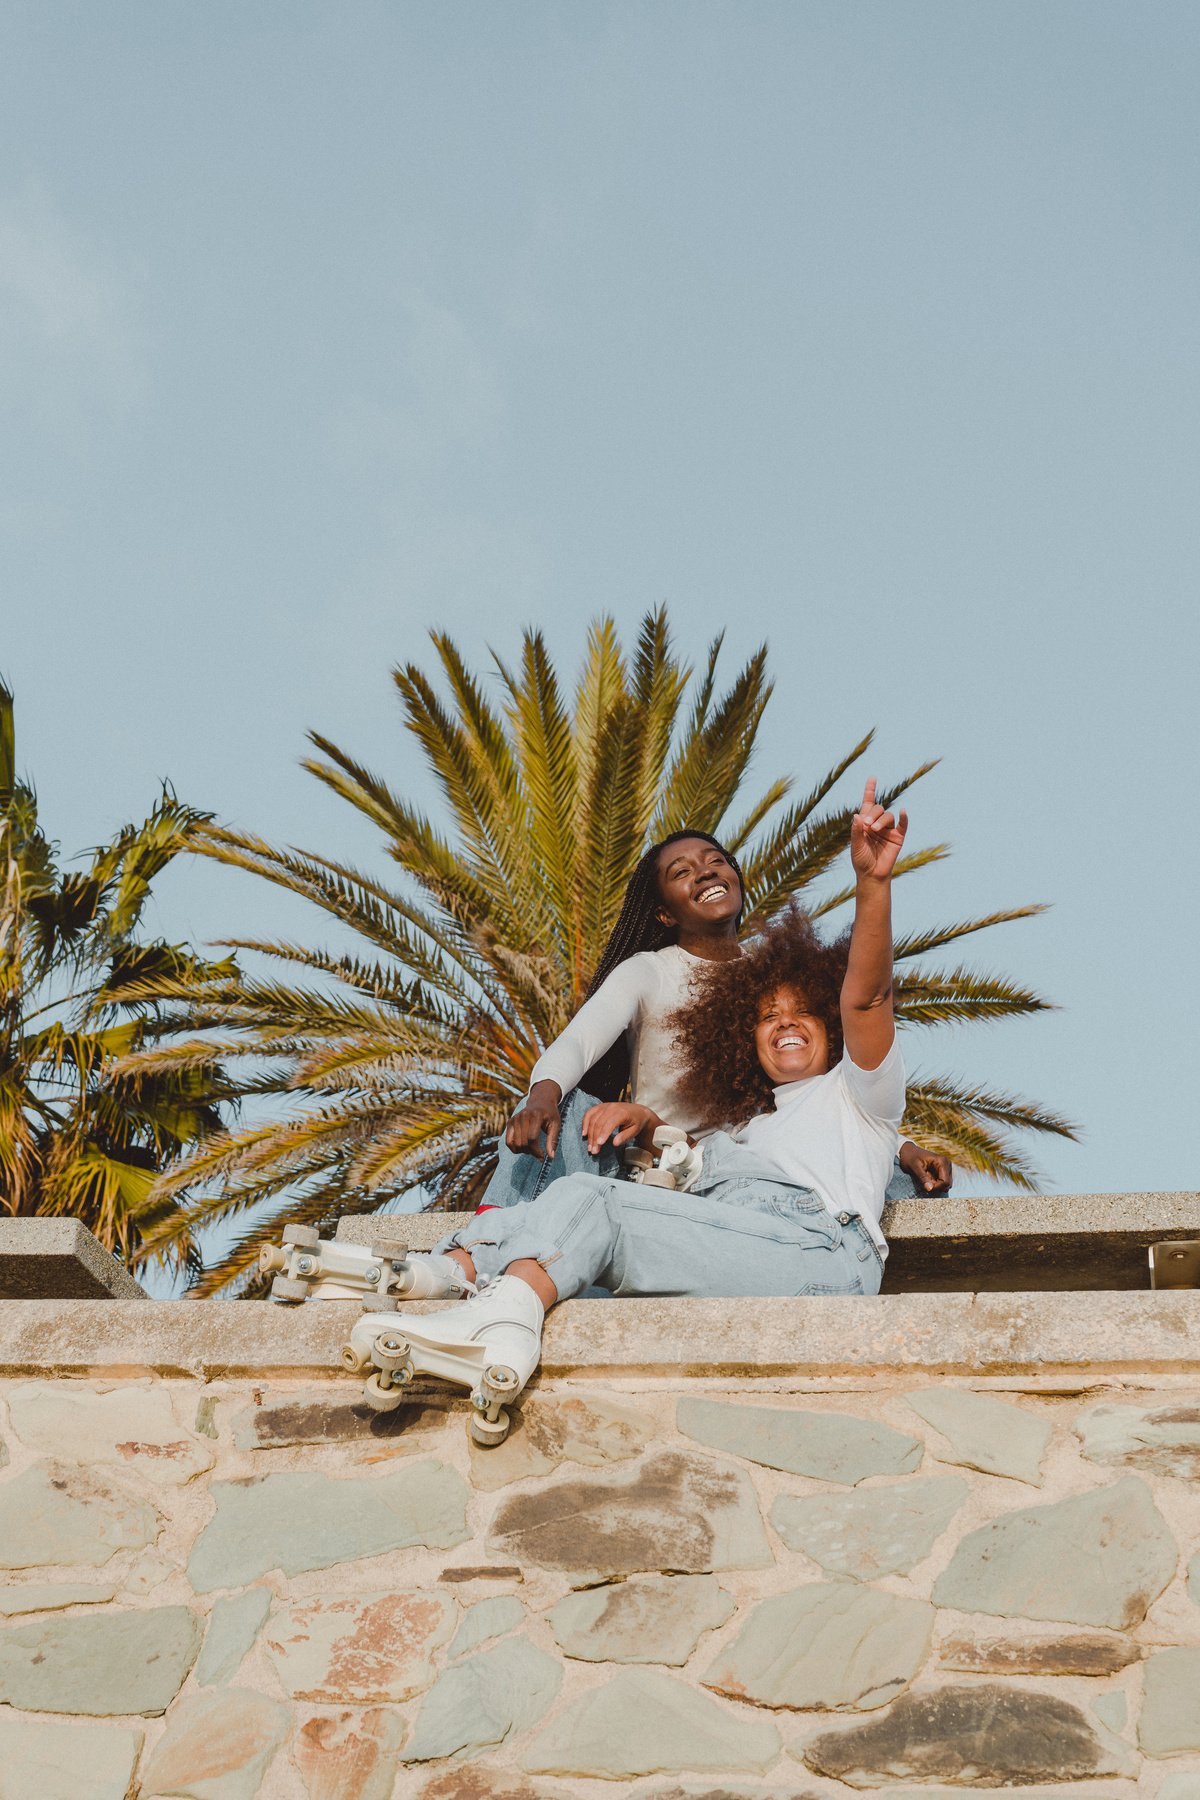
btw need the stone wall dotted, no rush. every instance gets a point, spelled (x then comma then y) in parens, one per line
(870, 1566)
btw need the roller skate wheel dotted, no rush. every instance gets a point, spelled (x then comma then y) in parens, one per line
(354, 1359)
(389, 1352)
(489, 1432)
(284, 1288)
(308, 1235)
(392, 1250)
(377, 1303)
(380, 1398)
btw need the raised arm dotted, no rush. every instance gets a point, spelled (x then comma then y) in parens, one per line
(868, 1026)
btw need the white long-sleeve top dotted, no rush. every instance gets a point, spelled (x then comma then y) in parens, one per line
(635, 999)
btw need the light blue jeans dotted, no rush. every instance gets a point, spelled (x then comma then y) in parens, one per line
(520, 1178)
(742, 1232)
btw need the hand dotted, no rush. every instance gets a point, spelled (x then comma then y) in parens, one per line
(538, 1115)
(875, 838)
(619, 1120)
(931, 1174)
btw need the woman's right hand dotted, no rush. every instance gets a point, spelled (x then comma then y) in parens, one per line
(620, 1120)
(538, 1116)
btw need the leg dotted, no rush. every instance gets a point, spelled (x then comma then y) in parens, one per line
(759, 1239)
(492, 1342)
(520, 1178)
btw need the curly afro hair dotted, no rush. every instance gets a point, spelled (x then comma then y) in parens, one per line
(722, 1080)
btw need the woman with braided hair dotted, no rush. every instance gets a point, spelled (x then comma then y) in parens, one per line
(679, 918)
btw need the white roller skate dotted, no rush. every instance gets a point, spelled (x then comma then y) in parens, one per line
(309, 1267)
(677, 1166)
(490, 1344)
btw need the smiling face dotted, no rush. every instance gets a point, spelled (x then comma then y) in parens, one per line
(792, 1044)
(698, 886)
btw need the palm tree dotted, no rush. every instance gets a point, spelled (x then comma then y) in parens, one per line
(77, 1136)
(391, 1063)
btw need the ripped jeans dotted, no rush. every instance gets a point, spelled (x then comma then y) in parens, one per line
(743, 1232)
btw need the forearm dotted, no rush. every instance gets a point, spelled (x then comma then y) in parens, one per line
(868, 983)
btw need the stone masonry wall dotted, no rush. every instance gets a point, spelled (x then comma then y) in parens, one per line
(659, 1586)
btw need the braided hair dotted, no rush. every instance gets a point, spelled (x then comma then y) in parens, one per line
(638, 928)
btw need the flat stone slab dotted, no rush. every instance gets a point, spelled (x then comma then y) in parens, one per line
(1052, 1653)
(59, 1259)
(879, 1531)
(51, 1596)
(99, 1663)
(929, 1334)
(486, 1620)
(645, 1723)
(678, 1512)
(297, 1521)
(828, 1446)
(1170, 1719)
(350, 1755)
(360, 1647)
(552, 1429)
(484, 1700)
(128, 1427)
(216, 1746)
(50, 1760)
(233, 1625)
(826, 1647)
(984, 1433)
(656, 1620)
(62, 1514)
(320, 1420)
(1161, 1440)
(985, 1735)
(1099, 1558)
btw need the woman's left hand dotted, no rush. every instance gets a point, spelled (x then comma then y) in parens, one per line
(931, 1173)
(620, 1120)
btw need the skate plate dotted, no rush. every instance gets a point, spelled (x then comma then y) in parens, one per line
(396, 1355)
(307, 1266)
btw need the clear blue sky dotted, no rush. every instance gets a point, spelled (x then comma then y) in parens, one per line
(867, 328)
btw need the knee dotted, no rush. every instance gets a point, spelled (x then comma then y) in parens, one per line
(575, 1187)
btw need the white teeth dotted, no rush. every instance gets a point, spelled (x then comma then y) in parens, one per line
(714, 893)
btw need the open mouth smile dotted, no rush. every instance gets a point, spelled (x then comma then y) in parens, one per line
(716, 892)
(791, 1040)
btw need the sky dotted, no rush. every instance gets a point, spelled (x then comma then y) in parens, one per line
(864, 328)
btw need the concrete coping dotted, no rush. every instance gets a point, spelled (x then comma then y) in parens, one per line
(59, 1259)
(1071, 1339)
(1146, 1216)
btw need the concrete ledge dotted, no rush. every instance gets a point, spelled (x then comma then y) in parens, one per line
(1080, 1336)
(59, 1259)
(992, 1243)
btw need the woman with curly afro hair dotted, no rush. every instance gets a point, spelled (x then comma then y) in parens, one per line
(678, 925)
(796, 1043)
